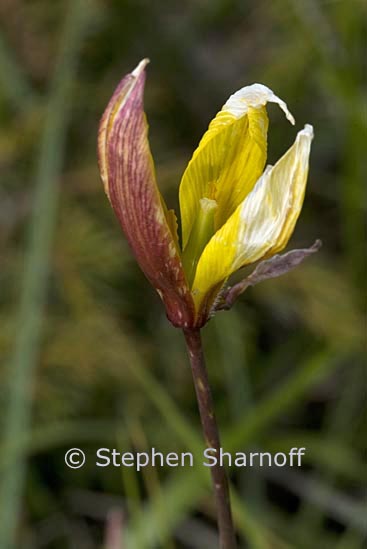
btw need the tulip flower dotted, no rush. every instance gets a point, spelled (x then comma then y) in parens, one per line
(234, 212)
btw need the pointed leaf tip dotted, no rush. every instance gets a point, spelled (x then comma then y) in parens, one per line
(140, 67)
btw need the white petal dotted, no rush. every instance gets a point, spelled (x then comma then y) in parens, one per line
(276, 198)
(256, 95)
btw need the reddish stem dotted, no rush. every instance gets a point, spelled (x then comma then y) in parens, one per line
(204, 397)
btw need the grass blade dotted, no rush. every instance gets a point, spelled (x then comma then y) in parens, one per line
(27, 340)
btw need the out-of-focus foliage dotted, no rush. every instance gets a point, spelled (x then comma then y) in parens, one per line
(286, 365)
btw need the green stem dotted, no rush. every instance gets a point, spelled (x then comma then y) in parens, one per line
(227, 535)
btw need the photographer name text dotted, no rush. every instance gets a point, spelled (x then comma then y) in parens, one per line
(210, 457)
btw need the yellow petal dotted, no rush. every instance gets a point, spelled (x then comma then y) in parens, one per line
(262, 224)
(230, 156)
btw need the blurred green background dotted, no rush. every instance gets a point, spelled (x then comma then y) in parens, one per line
(88, 358)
